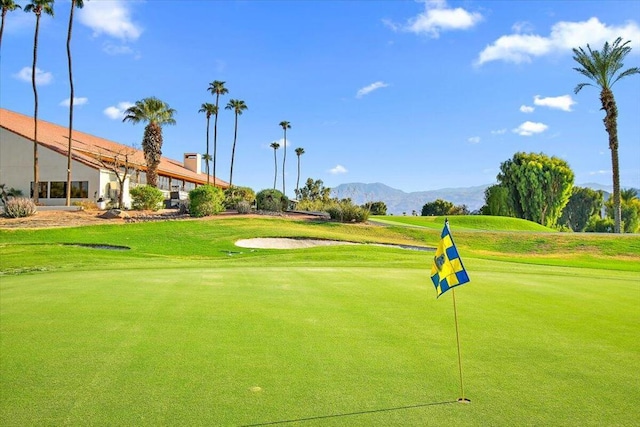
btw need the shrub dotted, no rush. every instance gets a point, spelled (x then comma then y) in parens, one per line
(346, 211)
(600, 225)
(146, 197)
(86, 205)
(234, 195)
(243, 207)
(271, 200)
(205, 200)
(19, 207)
(313, 205)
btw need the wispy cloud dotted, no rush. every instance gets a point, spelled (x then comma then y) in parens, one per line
(436, 18)
(498, 132)
(116, 112)
(526, 109)
(529, 128)
(42, 77)
(564, 102)
(368, 89)
(76, 102)
(474, 140)
(338, 170)
(564, 36)
(112, 18)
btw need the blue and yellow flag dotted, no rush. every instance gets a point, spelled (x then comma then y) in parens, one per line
(447, 270)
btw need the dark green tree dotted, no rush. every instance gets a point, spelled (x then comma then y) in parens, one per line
(583, 204)
(539, 186)
(376, 208)
(315, 191)
(603, 68)
(496, 199)
(437, 207)
(630, 210)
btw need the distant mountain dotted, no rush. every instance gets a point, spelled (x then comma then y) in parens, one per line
(399, 202)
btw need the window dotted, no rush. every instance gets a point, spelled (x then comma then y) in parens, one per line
(79, 190)
(163, 182)
(42, 186)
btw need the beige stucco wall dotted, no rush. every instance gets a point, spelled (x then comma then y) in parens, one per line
(16, 169)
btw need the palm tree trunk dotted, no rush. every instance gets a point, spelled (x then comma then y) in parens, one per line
(207, 159)
(4, 13)
(233, 150)
(275, 162)
(36, 177)
(284, 160)
(215, 139)
(68, 199)
(611, 125)
(298, 180)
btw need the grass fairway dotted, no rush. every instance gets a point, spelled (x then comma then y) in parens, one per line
(203, 333)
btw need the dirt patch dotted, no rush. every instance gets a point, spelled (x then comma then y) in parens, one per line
(61, 218)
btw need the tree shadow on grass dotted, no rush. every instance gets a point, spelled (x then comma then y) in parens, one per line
(349, 414)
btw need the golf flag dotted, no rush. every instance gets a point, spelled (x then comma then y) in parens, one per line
(447, 270)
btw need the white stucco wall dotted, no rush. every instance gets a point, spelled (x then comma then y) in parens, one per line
(16, 169)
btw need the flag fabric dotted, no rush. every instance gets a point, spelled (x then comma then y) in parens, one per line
(447, 271)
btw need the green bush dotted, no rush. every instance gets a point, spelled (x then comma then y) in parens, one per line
(600, 225)
(346, 211)
(234, 195)
(19, 207)
(146, 197)
(271, 200)
(205, 201)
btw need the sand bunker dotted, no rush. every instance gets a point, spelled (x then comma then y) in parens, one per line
(286, 243)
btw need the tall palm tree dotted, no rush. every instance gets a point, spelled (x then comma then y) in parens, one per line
(157, 113)
(218, 88)
(7, 6)
(79, 4)
(37, 7)
(237, 105)
(208, 109)
(602, 67)
(299, 152)
(275, 146)
(285, 125)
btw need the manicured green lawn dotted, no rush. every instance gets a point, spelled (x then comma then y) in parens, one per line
(187, 329)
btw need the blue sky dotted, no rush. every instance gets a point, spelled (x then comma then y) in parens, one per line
(418, 95)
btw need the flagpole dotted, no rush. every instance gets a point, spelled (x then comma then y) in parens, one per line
(455, 315)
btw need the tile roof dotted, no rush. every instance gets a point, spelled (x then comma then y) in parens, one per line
(88, 148)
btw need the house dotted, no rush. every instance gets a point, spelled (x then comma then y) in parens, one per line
(94, 164)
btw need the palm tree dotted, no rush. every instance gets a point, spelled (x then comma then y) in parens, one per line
(299, 152)
(157, 113)
(275, 146)
(285, 125)
(74, 4)
(237, 105)
(603, 68)
(37, 7)
(7, 6)
(208, 109)
(218, 88)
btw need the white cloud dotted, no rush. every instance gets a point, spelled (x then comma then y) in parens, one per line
(474, 139)
(42, 77)
(113, 49)
(529, 128)
(498, 132)
(600, 172)
(526, 109)
(76, 102)
(338, 170)
(564, 36)
(112, 18)
(437, 17)
(368, 89)
(563, 102)
(117, 112)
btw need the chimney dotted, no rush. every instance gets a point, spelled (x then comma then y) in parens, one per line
(193, 162)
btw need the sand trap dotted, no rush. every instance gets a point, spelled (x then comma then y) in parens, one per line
(286, 243)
